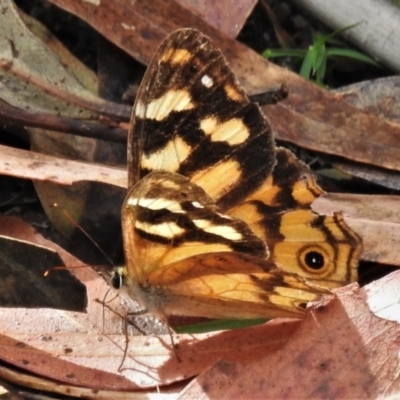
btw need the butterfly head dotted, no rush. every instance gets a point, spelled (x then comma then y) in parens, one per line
(117, 277)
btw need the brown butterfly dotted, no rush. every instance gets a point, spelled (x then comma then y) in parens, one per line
(209, 195)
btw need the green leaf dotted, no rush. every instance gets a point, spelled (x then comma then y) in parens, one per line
(219, 325)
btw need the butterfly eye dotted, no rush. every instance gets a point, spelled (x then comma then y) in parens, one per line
(116, 280)
(314, 260)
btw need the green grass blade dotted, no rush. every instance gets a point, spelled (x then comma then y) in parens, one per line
(273, 53)
(356, 55)
(337, 32)
(307, 64)
(320, 72)
(320, 58)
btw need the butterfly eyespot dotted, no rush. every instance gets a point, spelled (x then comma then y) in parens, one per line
(314, 260)
(116, 280)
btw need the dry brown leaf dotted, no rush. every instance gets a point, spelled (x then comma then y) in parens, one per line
(27, 381)
(379, 97)
(149, 362)
(341, 351)
(374, 218)
(23, 266)
(96, 287)
(227, 16)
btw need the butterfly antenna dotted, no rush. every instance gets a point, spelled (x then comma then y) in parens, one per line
(174, 346)
(74, 223)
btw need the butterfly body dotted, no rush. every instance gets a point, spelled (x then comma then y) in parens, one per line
(217, 222)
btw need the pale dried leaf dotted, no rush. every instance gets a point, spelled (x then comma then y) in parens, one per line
(41, 167)
(383, 297)
(374, 218)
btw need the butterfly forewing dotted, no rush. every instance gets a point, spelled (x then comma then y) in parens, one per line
(166, 218)
(192, 117)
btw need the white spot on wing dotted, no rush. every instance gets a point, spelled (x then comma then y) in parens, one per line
(173, 100)
(197, 204)
(224, 231)
(140, 110)
(157, 204)
(166, 229)
(168, 158)
(207, 81)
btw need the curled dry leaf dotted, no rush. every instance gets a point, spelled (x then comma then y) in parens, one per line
(24, 58)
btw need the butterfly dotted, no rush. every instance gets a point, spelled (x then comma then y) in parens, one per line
(217, 220)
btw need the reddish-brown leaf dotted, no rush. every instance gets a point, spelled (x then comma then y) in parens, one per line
(341, 351)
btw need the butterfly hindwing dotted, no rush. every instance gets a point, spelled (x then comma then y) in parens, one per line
(233, 285)
(321, 248)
